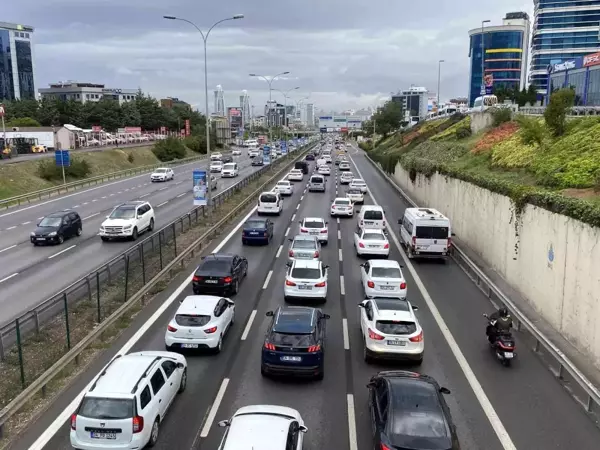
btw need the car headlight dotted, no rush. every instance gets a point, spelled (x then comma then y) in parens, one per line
(127, 227)
(32, 234)
(52, 234)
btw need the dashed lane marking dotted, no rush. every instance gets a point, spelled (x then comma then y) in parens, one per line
(215, 407)
(162, 204)
(266, 284)
(287, 231)
(62, 251)
(9, 277)
(342, 286)
(248, 326)
(279, 251)
(345, 334)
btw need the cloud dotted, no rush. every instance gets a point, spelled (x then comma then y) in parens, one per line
(343, 53)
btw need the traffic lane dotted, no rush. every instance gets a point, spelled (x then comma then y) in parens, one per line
(205, 371)
(474, 430)
(533, 392)
(322, 404)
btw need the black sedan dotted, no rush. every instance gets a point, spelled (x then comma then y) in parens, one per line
(408, 410)
(226, 159)
(56, 227)
(310, 157)
(257, 229)
(219, 274)
(258, 161)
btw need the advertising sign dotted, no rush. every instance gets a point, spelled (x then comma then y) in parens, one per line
(323, 129)
(488, 80)
(200, 187)
(96, 128)
(571, 64)
(591, 60)
(133, 129)
(266, 154)
(187, 127)
(325, 118)
(344, 130)
(339, 119)
(235, 112)
(284, 148)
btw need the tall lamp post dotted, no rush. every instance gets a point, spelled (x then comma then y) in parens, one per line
(439, 78)
(482, 92)
(269, 81)
(204, 39)
(285, 99)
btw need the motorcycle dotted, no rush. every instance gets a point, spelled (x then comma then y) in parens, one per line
(503, 346)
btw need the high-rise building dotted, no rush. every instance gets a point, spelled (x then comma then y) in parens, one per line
(310, 115)
(17, 63)
(562, 30)
(219, 101)
(413, 102)
(505, 53)
(169, 102)
(245, 108)
(275, 114)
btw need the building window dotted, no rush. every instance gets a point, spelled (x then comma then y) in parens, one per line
(593, 87)
(25, 69)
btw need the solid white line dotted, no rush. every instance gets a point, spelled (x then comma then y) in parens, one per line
(145, 195)
(267, 279)
(345, 334)
(339, 235)
(338, 220)
(90, 216)
(351, 422)
(287, 231)
(62, 251)
(480, 394)
(11, 228)
(340, 254)
(215, 407)
(342, 286)
(60, 420)
(182, 194)
(26, 223)
(162, 204)
(279, 251)
(293, 217)
(8, 248)
(248, 325)
(9, 277)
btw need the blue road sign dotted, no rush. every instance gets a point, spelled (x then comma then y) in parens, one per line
(284, 148)
(63, 158)
(266, 154)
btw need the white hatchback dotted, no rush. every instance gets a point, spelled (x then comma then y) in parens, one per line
(216, 166)
(315, 226)
(357, 183)
(355, 196)
(230, 170)
(295, 175)
(324, 170)
(346, 177)
(342, 206)
(216, 156)
(382, 278)
(236, 152)
(306, 279)
(284, 187)
(371, 242)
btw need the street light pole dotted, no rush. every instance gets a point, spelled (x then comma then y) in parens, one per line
(269, 81)
(439, 78)
(204, 39)
(483, 22)
(285, 99)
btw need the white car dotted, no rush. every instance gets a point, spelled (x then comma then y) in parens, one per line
(213, 182)
(369, 241)
(346, 177)
(215, 167)
(264, 426)
(128, 221)
(390, 329)
(357, 183)
(305, 279)
(284, 187)
(304, 247)
(120, 409)
(253, 153)
(295, 175)
(344, 165)
(355, 196)
(273, 154)
(342, 206)
(216, 156)
(382, 278)
(200, 322)
(230, 170)
(270, 203)
(236, 152)
(315, 226)
(324, 170)
(162, 174)
(327, 158)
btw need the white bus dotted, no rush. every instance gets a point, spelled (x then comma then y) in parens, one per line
(487, 101)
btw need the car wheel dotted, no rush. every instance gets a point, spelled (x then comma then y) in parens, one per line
(219, 346)
(232, 318)
(263, 371)
(419, 361)
(244, 242)
(104, 238)
(236, 287)
(79, 231)
(366, 355)
(320, 375)
(134, 234)
(151, 226)
(60, 239)
(246, 271)
(183, 383)
(154, 434)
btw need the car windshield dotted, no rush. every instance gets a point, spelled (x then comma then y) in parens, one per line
(161, 170)
(431, 233)
(293, 340)
(373, 215)
(307, 273)
(50, 222)
(343, 202)
(396, 327)
(304, 243)
(123, 213)
(229, 167)
(283, 183)
(373, 237)
(215, 265)
(106, 408)
(386, 272)
(268, 198)
(358, 182)
(256, 224)
(192, 320)
(354, 192)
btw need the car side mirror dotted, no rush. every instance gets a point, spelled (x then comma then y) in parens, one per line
(269, 314)
(362, 304)
(452, 234)
(290, 239)
(300, 222)
(399, 221)
(415, 308)
(370, 384)
(223, 423)
(38, 224)
(445, 390)
(357, 211)
(326, 266)
(232, 303)
(326, 223)
(302, 429)
(180, 365)
(107, 217)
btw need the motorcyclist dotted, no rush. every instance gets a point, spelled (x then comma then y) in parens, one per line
(499, 322)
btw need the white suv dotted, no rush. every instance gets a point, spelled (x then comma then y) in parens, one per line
(125, 405)
(128, 221)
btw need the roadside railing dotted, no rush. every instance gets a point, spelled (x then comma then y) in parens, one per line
(591, 399)
(131, 276)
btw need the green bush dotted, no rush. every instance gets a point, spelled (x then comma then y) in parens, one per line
(169, 149)
(532, 131)
(501, 115)
(196, 144)
(130, 157)
(555, 113)
(48, 170)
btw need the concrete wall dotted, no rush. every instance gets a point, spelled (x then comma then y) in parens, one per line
(480, 121)
(552, 260)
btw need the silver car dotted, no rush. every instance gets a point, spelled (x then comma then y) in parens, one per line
(304, 247)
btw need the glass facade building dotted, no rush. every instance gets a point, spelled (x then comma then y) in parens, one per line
(562, 30)
(582, 74)
(16, 62)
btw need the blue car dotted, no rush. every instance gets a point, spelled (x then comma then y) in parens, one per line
(257, 230)
(295, 343)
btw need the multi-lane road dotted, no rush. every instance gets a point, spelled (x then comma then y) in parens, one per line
(494, 408)
(29, 275)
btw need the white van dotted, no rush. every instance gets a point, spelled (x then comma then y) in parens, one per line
(316, 183)
(270, 203)
(426, 233)
(371, 216)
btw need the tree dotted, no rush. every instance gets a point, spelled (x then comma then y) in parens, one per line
(555, 114)
(532, 94)
(387, 118)
(23, 122)
(367, 128)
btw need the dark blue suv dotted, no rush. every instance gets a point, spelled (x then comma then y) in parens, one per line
(257, 230)
(295, 342)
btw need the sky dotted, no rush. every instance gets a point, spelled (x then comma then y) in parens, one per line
(342, 54)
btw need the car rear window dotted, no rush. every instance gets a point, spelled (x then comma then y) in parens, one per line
(316, 180)
(431, 233)
(373, 237)
(314, 224)
(283, 183)
(293, 340)
(229, 166)
(268, 198)
(373, 215)
(417, 412)
(303, 243)
(216, 265)
(303, 272)
(354, 191)
(342, 202)
(192, 320)
(106, 408)
(396, 327)
(386, 272)
(255, 224)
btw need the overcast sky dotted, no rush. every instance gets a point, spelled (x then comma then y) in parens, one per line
(343, 53)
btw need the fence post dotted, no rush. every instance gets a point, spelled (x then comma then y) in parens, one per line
(20, 350)
(98, 291)
(126, 278)
(142, 260)
(160, 253)
(174, 238)
(68, 328)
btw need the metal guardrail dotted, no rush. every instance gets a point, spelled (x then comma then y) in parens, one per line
(128, 301)
(487, 286)
(575, 111)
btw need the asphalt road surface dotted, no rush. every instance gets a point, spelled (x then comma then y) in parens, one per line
(30, 275)
(494, 408)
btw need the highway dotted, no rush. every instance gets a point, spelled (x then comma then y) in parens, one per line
(494, 408)
(54, 267)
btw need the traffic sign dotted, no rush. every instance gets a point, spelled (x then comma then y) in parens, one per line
(1, 110)
(63, 158)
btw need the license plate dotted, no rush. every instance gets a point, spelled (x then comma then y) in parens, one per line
(189, 345)
(291, 358)
(314, 232)
(387, 288)
(374, 246)
(508, 355)
(211, 281)
(40, 239)
(304, 287)
(95, 435)
(368, 223)
(254, 233)
(397, 343)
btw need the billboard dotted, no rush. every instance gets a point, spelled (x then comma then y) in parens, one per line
(591, 60)
(323, 129)
(187, 127)
(235, 112)
(325, 118)
(570, 64)
(199, 187)
(133, 130)
(266, 154)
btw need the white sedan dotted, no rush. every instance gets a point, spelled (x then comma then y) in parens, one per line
(315, 226)
(162, 174)
(382, 278)
(357, 183)
(342, 206)
(284, 187)
(346, 178)
(200, 322)
(236, 152)
(355, 196)
(216, 166)
(306, 279)
(369, 241)
(324, 170)
(327, 159)
(216, 156)
(295, 175)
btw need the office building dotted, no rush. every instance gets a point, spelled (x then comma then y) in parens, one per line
(17, 62)
(562, 31)
(275, 114)
(413, 102)
(219, 108)
(581, 74)
(234, 115)
(310, 115)
(86, 92)
(505, 54)
(245, 108)
(169, 102)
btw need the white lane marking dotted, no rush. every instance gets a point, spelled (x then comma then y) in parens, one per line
(248, 326)
(287, 231)
(279, 251)
(85, 203)
(293, 217)
(26, 223)
(339, 235)
(76, 206)
(351, 422)
(105, 196)
(297, 206)
(267, 279)
(338, 220)
(95, 200)
(90, 216)
(162, 189)
(214, 408)
(302, 198)
(64, 416)
(40, 218)
(11, 228)
(342, 286)
(162, 204)
(62, 251)
(345, 334)
(480, 394)
(145, 195)
(8, 248)
(340, 254)
(182, 194)
(9, 277)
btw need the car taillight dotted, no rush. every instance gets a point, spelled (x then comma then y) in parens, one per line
(227, 280)
(414, 241)
(361, 245)
(375, 336)
(210, 330)
(316, 255)
(138, 424)
(417, 338)
(269, 346)
(303, 230)
(289, 283)
(449, 242)
(370, 284)
(291, 253)
(386, 246)
(243, 233)
(197, 278)
(171, 329)
(384, 447)
(266, 234)
(321, 284)
(314, 348)
(324, 231)
(73, 421)
(402, 285)
(333, 207)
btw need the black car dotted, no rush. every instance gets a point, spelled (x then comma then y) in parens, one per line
(310, 157)
(302, 165)
(295, 342)
(56, 227)
(408, 410)
(220, 274)
(258, 161)
(257, 229)
(226, 159)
